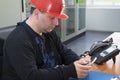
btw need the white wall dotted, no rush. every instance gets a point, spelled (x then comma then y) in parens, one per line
(10, 12)
(103, 19)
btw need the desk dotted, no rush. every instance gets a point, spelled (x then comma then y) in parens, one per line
(109, 66)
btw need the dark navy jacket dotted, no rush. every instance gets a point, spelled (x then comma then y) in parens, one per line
(23, 59)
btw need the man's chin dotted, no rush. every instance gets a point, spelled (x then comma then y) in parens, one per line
(48, 31)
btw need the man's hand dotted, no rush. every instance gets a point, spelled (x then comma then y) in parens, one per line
(82, 66)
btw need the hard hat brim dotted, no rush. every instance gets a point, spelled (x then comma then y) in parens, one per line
(63, 16)
(60, 16)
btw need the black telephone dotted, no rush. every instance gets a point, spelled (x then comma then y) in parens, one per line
(104, 50)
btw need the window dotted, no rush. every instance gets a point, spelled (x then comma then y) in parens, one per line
(103, 3)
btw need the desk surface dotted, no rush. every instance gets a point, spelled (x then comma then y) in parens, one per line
(109, 66)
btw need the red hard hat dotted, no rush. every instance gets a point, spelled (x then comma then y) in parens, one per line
(53, 7)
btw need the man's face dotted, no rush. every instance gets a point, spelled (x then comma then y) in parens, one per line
(47, 22)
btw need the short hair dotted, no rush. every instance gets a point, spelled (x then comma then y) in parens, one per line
(33, 8)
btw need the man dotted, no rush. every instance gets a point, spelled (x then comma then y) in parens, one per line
(33, 51)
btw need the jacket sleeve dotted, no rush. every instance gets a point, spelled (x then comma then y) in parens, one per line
(67, 55)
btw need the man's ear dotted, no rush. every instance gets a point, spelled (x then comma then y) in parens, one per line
(36, 12)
